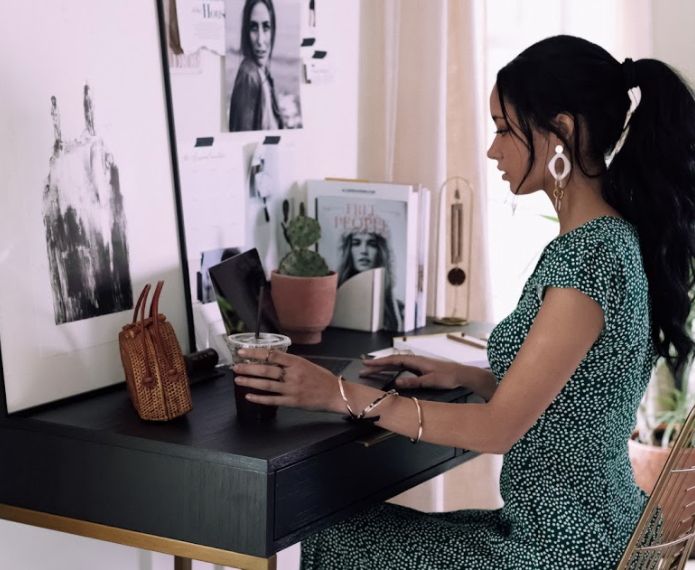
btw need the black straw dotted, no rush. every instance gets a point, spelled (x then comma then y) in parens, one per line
(260, 308)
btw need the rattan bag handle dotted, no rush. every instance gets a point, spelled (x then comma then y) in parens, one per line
(142, 301)
(157, 334)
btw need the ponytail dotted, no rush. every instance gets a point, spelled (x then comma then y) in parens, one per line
(651, 182)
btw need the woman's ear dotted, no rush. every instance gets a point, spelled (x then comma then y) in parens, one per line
(565, 124)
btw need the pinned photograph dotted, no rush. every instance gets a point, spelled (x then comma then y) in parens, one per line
(262, 65)
(206, 291)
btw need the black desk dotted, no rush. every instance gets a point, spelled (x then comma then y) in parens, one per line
(205, 486)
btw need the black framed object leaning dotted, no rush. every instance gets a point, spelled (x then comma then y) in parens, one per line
(89, 193)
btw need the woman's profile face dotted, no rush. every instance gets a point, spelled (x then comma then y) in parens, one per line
(511, 153)
(365, 251)
(260, 32)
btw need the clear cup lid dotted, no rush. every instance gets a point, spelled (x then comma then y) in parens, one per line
(264, 340)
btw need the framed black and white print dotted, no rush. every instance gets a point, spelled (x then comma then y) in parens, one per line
(88, 192)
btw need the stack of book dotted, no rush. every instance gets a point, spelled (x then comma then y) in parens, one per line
(376, 237)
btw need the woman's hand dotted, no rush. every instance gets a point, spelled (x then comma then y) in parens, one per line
(430, 372)
(295, 381)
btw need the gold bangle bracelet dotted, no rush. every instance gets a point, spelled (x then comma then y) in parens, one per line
(342, 393)
(375, 403)
(419, 421)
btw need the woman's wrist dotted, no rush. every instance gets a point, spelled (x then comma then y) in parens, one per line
(353, 400)
(342, 405)
(462, 374)
(479, 380)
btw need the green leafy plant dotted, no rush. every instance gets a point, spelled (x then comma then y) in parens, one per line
(676, 407)
(301, 233)
(667, 401)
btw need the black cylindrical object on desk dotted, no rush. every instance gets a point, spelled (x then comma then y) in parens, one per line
(201, 361)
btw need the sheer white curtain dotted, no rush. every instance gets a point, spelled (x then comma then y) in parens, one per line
(423, 108)
(422, 120)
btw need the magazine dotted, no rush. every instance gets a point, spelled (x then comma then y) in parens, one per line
(424, 205)
(370, 225)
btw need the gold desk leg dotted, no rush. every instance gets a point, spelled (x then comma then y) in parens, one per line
(187, 564)
(182, 563)
(185, 551)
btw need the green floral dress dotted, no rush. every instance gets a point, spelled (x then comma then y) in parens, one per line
(570, 499)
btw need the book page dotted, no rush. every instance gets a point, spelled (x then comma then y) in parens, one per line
(439, 346)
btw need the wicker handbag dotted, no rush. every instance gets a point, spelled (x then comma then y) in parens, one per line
(154, 366)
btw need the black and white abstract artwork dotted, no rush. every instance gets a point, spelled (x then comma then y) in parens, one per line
(86, 230)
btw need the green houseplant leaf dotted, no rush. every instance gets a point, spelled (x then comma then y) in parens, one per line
(301, 233)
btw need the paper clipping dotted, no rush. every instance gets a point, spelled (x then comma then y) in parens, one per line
(201, 25)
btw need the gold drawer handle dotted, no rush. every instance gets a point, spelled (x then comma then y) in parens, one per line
(377, 437)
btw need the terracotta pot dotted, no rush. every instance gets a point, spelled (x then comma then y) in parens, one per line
(304, 305)
(647, 462)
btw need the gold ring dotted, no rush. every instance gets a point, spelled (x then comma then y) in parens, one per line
(283, 371)
(267, 356)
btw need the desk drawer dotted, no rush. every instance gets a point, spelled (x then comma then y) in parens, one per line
(326, 483)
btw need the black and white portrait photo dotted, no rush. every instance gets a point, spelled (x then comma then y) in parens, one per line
(362, 234)
(262, 65)
(85, 223)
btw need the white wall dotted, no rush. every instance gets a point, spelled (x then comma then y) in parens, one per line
(327, 146)
(673, 38)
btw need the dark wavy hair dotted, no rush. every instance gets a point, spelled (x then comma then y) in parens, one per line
(246, 49)
(651, 180)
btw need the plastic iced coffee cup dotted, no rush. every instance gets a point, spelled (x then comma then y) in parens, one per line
(270, 341)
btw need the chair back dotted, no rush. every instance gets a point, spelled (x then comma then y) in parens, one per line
(666, 530)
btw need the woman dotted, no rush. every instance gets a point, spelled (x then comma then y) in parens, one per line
(611, 145)
(254, 105)
(361, 251)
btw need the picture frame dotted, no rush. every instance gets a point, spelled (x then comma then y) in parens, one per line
(90, 205)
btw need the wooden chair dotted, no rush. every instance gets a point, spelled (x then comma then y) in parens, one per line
(665, 532)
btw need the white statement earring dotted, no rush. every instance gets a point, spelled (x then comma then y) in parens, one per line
(560, 178)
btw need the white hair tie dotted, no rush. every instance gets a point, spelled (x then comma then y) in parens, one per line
(635, 94)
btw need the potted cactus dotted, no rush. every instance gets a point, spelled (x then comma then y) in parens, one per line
(302, 288)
